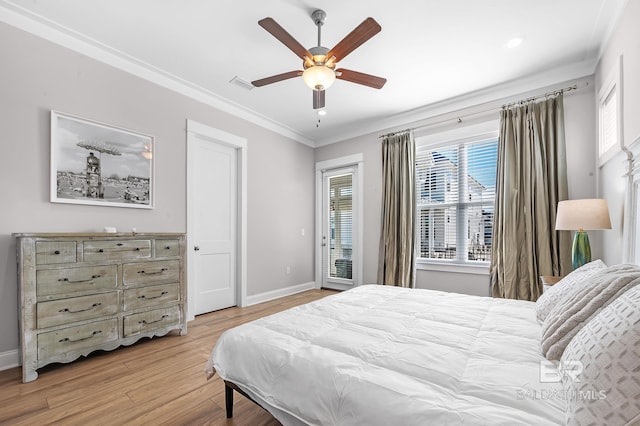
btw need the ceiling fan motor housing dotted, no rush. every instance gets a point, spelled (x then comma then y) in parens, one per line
(319, 54)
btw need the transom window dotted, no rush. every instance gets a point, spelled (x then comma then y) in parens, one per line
(455, 192)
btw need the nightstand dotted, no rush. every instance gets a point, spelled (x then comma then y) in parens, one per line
(548, 281)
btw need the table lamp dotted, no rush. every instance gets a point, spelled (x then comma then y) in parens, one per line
(581, 215)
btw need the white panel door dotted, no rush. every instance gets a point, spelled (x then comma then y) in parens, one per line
(214, 191)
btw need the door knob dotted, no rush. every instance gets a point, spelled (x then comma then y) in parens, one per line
(196, 248)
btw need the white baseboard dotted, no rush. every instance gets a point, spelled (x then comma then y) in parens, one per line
(282, 292)
(9, 359)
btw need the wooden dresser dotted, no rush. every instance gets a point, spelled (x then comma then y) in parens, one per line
(84, 292)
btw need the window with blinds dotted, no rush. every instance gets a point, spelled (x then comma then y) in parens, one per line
(340, 226)
(455, 191)
(610, 114)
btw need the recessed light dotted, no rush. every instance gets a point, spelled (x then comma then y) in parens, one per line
(514, 42)
(322, 112)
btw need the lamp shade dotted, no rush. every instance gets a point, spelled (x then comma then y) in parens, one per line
(585, 214)
(319, 77)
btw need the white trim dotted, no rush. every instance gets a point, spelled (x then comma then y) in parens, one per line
(477, 132)
(349, 160)
(217, 134)
(240, 144)
(356, 160)
(462, 268)
(478, 103)
(9, 359)
(42, 27)
(276, 294)
(612, 84)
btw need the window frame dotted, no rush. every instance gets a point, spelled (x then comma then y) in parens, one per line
(612, 85)
(478, 133)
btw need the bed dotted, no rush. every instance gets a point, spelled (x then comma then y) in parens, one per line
(380, 355)
(386, 355)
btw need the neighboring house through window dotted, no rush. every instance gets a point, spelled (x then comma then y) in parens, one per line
(455, 192)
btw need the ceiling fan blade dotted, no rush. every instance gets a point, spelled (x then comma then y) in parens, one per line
(285, 38)
(318, 99)
(360, 78)
(276, 78)
(363, 32)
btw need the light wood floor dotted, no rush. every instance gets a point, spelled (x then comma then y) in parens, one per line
(155, 381)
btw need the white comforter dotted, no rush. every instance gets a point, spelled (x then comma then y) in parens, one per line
(379, 355)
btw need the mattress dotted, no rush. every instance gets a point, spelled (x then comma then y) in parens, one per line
(380, 355)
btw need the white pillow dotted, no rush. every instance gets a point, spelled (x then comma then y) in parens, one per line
(557, 292)
(601, 366)
(583, 303)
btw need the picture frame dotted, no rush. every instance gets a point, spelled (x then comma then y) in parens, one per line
(100, 164)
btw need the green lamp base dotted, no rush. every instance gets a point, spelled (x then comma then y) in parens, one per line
(581, 250)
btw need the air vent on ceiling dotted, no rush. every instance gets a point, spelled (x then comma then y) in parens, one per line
(240, 82)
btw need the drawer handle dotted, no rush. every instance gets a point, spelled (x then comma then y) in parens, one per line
(151, 322)
(119, 244)
(95, 305)
(124, 249)
(66, 339)
(167, 248)
(154, 273)
(56, 252)
(153, 297)
(67, 280)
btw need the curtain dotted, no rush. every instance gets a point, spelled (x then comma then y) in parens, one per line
(531, 180)
(397, 237)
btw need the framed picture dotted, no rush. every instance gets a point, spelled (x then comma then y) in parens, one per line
(100, 164)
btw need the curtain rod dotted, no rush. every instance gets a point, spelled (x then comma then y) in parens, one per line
(484, 111)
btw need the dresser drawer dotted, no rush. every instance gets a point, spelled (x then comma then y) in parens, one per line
(167, 248)
(65, 311)
(116, 250)
(151, 272)
(50, 252)
(77, 338)
(51, 282)
(151, 320)
(152, 295)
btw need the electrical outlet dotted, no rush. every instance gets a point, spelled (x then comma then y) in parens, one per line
(288, 270)
(302, 232)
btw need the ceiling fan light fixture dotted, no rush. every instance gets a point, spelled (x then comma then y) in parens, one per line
(319, 77)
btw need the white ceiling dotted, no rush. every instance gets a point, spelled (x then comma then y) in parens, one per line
(429, 50)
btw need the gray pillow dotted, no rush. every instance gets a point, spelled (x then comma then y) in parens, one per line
(554, 294)
(601, 366)
(582, 303)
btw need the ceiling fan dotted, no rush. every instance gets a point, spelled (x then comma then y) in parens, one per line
(319, 63)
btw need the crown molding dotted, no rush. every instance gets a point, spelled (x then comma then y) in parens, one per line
(42, 27)
(500, 93)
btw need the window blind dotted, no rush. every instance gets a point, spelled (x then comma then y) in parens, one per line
(455, 191)
(340, 226)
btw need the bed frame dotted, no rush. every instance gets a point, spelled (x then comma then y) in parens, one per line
(229, 387)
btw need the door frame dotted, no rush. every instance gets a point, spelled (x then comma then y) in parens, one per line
(356, 161)
(202, 131)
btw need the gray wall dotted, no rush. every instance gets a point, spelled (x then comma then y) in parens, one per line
(579, 109)
(625, 41)
(37, 76)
